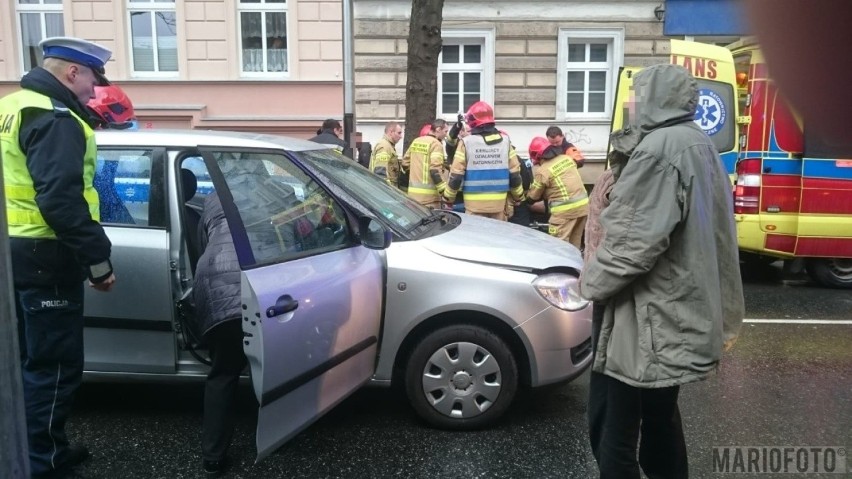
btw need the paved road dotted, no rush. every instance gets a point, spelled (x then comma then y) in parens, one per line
(784, 384)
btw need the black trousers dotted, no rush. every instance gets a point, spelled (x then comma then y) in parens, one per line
(622, 416)
(225, 342)
(50, 335)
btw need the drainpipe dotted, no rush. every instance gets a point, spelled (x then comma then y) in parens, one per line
(349, 78)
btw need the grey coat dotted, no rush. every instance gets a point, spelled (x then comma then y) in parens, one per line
(217, 277)
(668, 267)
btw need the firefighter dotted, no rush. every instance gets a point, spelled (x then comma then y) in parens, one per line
(424, 161)
(558, 181)
(485, 167)
(383, 161)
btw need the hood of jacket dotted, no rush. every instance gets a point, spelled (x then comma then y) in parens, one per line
(665, 95)
(42, 81)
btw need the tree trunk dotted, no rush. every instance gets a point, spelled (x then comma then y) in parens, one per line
(424, 45)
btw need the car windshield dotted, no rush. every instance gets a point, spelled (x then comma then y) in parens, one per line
(395, 206)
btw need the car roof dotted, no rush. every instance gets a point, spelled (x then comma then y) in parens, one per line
(184, 138)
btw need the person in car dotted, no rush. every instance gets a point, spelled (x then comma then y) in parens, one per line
(668, 271)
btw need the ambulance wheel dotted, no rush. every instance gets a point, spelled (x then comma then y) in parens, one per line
(461, 377)
(831, 272)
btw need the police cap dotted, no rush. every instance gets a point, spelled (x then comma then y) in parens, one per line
(79, 51)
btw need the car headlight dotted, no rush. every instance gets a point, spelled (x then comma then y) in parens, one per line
(561, 290)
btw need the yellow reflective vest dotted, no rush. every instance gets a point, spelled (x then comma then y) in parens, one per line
(22, 213)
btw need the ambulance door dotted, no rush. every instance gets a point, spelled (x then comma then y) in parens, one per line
(718, 109)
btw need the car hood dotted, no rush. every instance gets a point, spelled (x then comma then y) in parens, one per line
(483, 240)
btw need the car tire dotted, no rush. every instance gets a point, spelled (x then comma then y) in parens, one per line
(831, 272)
(461, 377)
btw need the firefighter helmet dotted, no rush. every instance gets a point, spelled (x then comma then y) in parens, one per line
(537, 147)
(480, 113)
(112, 107)
(426, 129)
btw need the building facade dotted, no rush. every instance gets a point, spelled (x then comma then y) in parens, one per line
(252, 65)
(539, 62)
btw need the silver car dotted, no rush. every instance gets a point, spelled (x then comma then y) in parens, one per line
(345, 281)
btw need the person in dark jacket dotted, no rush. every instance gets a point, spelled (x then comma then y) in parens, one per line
(667, 273)
(49, 161)
(330, 134)
(217, 304)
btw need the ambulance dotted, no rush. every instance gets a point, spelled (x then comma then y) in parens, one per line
(793, 195)
(716, 114)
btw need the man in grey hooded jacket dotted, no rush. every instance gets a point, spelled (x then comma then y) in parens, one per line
(668, 273)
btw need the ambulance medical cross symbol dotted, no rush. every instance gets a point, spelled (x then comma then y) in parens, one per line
(710, 112)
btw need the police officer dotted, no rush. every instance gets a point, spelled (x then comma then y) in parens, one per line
(55, 239)
(384, 161)
(485, 167)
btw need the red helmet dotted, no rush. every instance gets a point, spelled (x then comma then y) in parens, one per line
(113, 107)
(480, 113)
(426, 129)
(537, 147)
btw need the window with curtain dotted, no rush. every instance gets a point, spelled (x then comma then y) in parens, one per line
(39, 19)
(460, 73)
(588, 63)
(153, 36)
(263, 36)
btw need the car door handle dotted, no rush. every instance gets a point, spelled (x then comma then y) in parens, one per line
(285, 304)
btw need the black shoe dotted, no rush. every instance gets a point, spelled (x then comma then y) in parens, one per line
(214, 467)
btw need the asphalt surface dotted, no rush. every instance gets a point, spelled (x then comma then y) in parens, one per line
(783, 385)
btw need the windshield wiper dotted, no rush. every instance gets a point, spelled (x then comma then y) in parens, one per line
(434, 216)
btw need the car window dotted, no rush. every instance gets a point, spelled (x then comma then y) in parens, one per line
(124, 180)
(286, 214)
(400, 212)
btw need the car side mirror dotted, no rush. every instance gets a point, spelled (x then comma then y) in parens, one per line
(373, 234)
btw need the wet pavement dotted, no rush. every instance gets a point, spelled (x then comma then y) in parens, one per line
(783, 385)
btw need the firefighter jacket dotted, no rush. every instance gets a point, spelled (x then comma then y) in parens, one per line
(384, 162)
(558, 181)
(424, 160)
(49, 162)
(486, 169)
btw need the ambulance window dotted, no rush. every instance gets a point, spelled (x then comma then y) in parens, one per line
(715, 113)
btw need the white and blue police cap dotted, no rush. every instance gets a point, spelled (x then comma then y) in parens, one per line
(79, 51)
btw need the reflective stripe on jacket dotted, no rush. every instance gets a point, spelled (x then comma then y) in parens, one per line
(23, 215)
(487, 169)
(425, 160)
(384, 162)
(558, 180)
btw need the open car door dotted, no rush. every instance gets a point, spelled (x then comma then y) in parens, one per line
(311, 293)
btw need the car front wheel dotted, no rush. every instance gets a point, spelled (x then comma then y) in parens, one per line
(461, 377)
